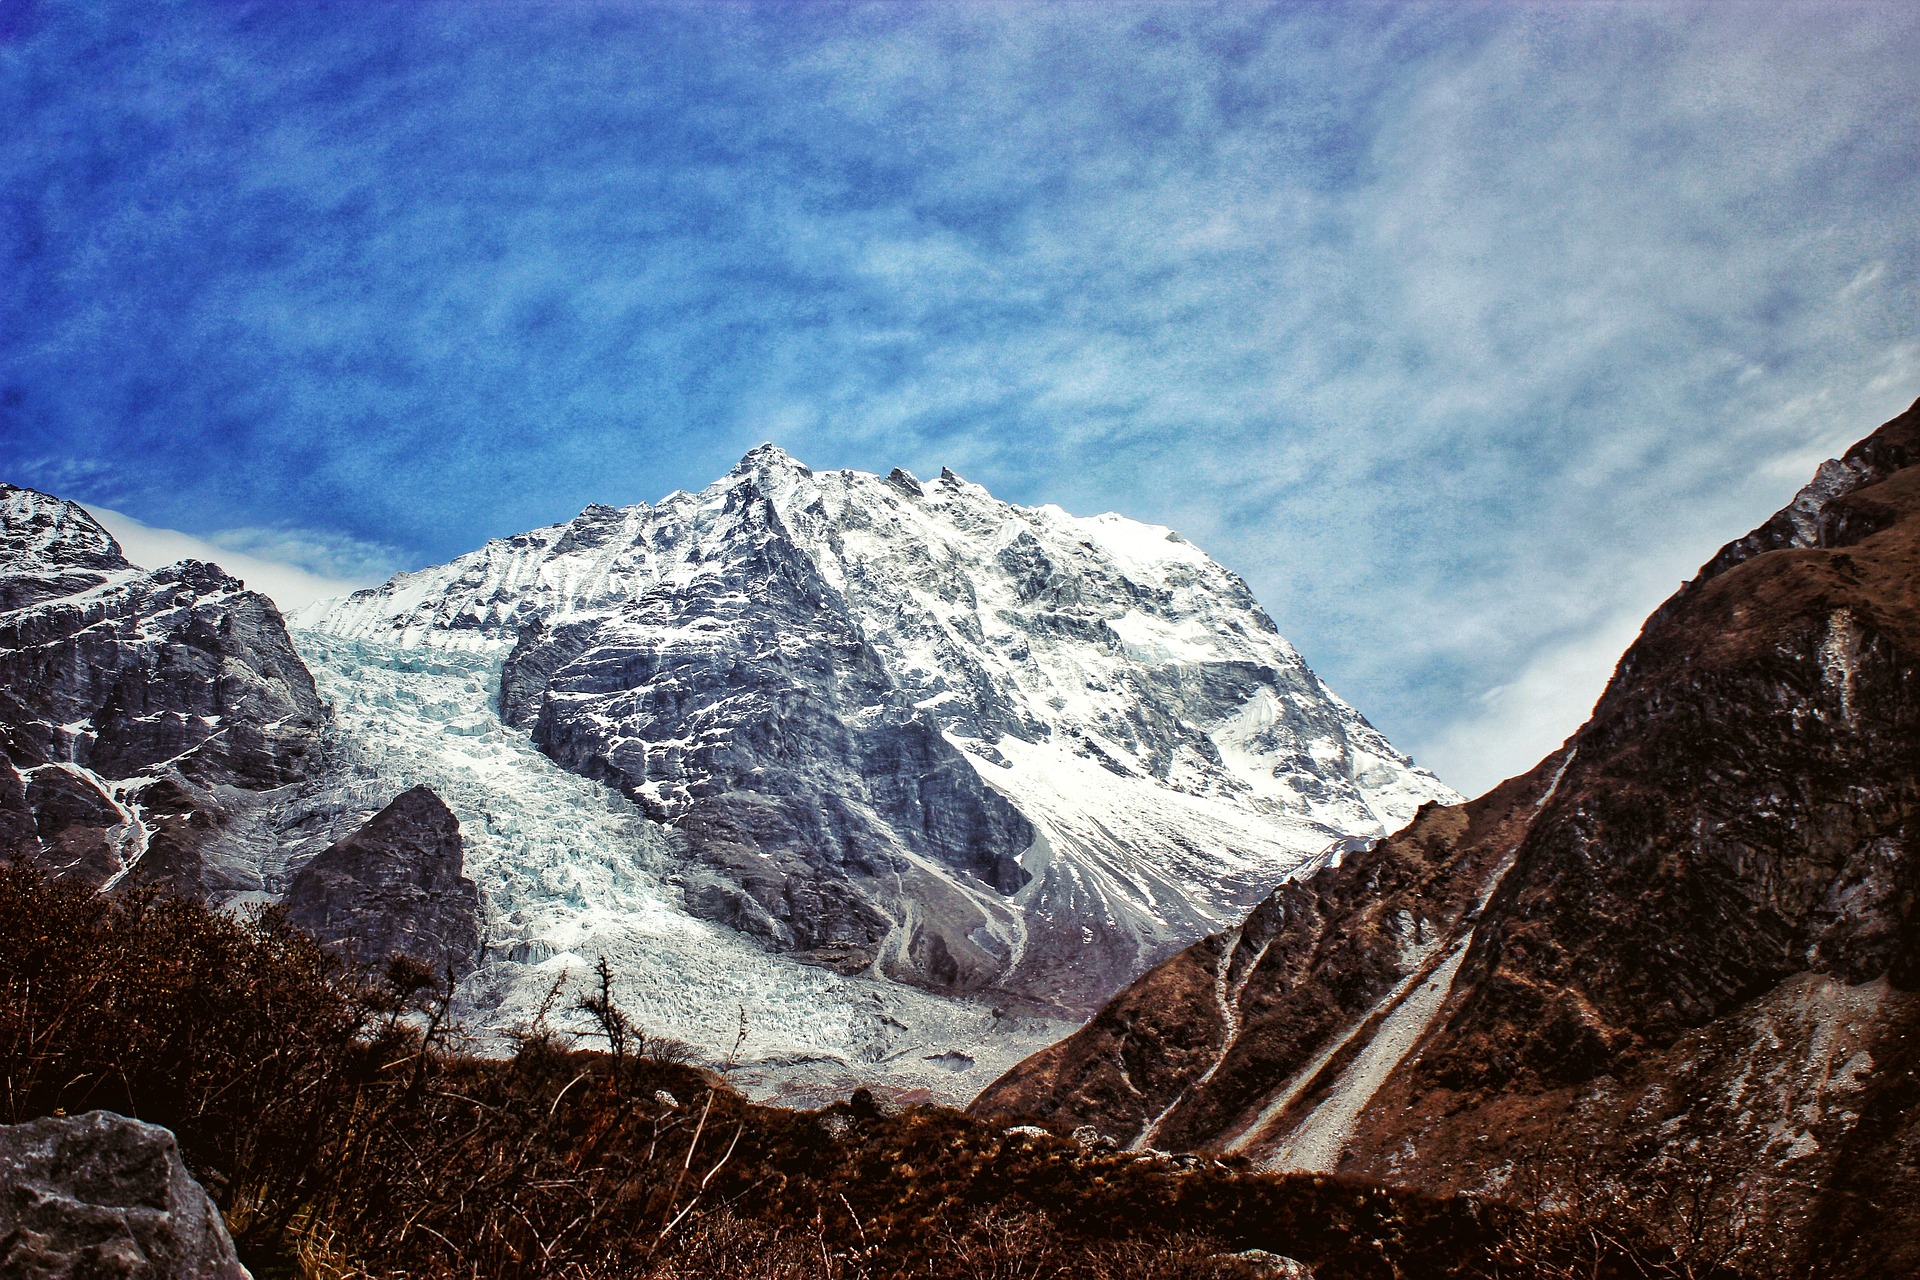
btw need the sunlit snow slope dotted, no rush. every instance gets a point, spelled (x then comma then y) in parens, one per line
(901, 729)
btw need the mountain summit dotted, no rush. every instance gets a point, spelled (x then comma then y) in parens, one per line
(902, 729)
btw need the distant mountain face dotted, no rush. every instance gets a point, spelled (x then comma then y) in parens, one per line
(906, 729)
(145, 717)
(887, 781)
(1684, 951)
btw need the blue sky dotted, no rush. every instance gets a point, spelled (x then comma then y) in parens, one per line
(1464, 332)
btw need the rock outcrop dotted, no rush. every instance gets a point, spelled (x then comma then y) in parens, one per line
(143, 715)
(96, 1195)
(1684, 951)
(394, 887)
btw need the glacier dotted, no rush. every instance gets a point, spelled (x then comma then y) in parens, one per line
(570, 870)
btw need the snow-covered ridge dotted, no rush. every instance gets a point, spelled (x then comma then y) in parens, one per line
(1173, 754)
(902, 546)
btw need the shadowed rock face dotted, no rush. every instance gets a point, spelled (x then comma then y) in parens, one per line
(394, 887)
(142, 714)
(1699, 949)
(100, 1195)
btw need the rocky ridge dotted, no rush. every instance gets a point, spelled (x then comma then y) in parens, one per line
(147, 719)
(1680, 957)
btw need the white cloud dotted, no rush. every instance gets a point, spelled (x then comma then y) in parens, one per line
(318, 551)
(1514, 725)
(288, 585)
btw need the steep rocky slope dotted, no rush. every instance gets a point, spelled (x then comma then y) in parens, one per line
(1682, 953)
(145, 717)
(907, 730)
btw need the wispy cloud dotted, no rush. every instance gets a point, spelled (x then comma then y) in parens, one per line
(1464, 332)
(286, 581)
(325, 553)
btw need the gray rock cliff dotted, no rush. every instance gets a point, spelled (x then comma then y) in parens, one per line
(143, 715)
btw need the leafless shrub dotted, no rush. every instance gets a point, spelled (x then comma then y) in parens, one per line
(614, 1026)
(1685, 1219)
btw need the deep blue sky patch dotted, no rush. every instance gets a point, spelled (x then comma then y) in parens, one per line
(1464, 332)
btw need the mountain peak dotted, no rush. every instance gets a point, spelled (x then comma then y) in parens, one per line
(856, 674)
(53, 528)
(53, 546)
(769, 457)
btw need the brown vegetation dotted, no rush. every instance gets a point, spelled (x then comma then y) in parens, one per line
(343, 1138)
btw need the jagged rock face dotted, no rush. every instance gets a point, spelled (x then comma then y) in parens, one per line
(101, 1195)
(789, 758)
(141, 713)
(908, 729)
(1699, 953)
(395, 886)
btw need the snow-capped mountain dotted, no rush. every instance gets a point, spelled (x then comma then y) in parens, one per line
(894, 728)
(900, 778)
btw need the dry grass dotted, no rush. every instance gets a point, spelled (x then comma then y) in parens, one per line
(346, 1142)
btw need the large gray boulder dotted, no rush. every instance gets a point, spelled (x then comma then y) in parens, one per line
(395, 886)
(98, 1195)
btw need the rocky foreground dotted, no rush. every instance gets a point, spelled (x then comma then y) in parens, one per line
(99, 1195)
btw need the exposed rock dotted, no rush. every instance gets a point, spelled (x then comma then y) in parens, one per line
(97, 1195)
(1258, 1264)
(143, 715)
(1088, 1138)
(1697, 959)
(395, 886)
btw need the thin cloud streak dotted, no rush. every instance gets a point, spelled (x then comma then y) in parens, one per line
(288, 585)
